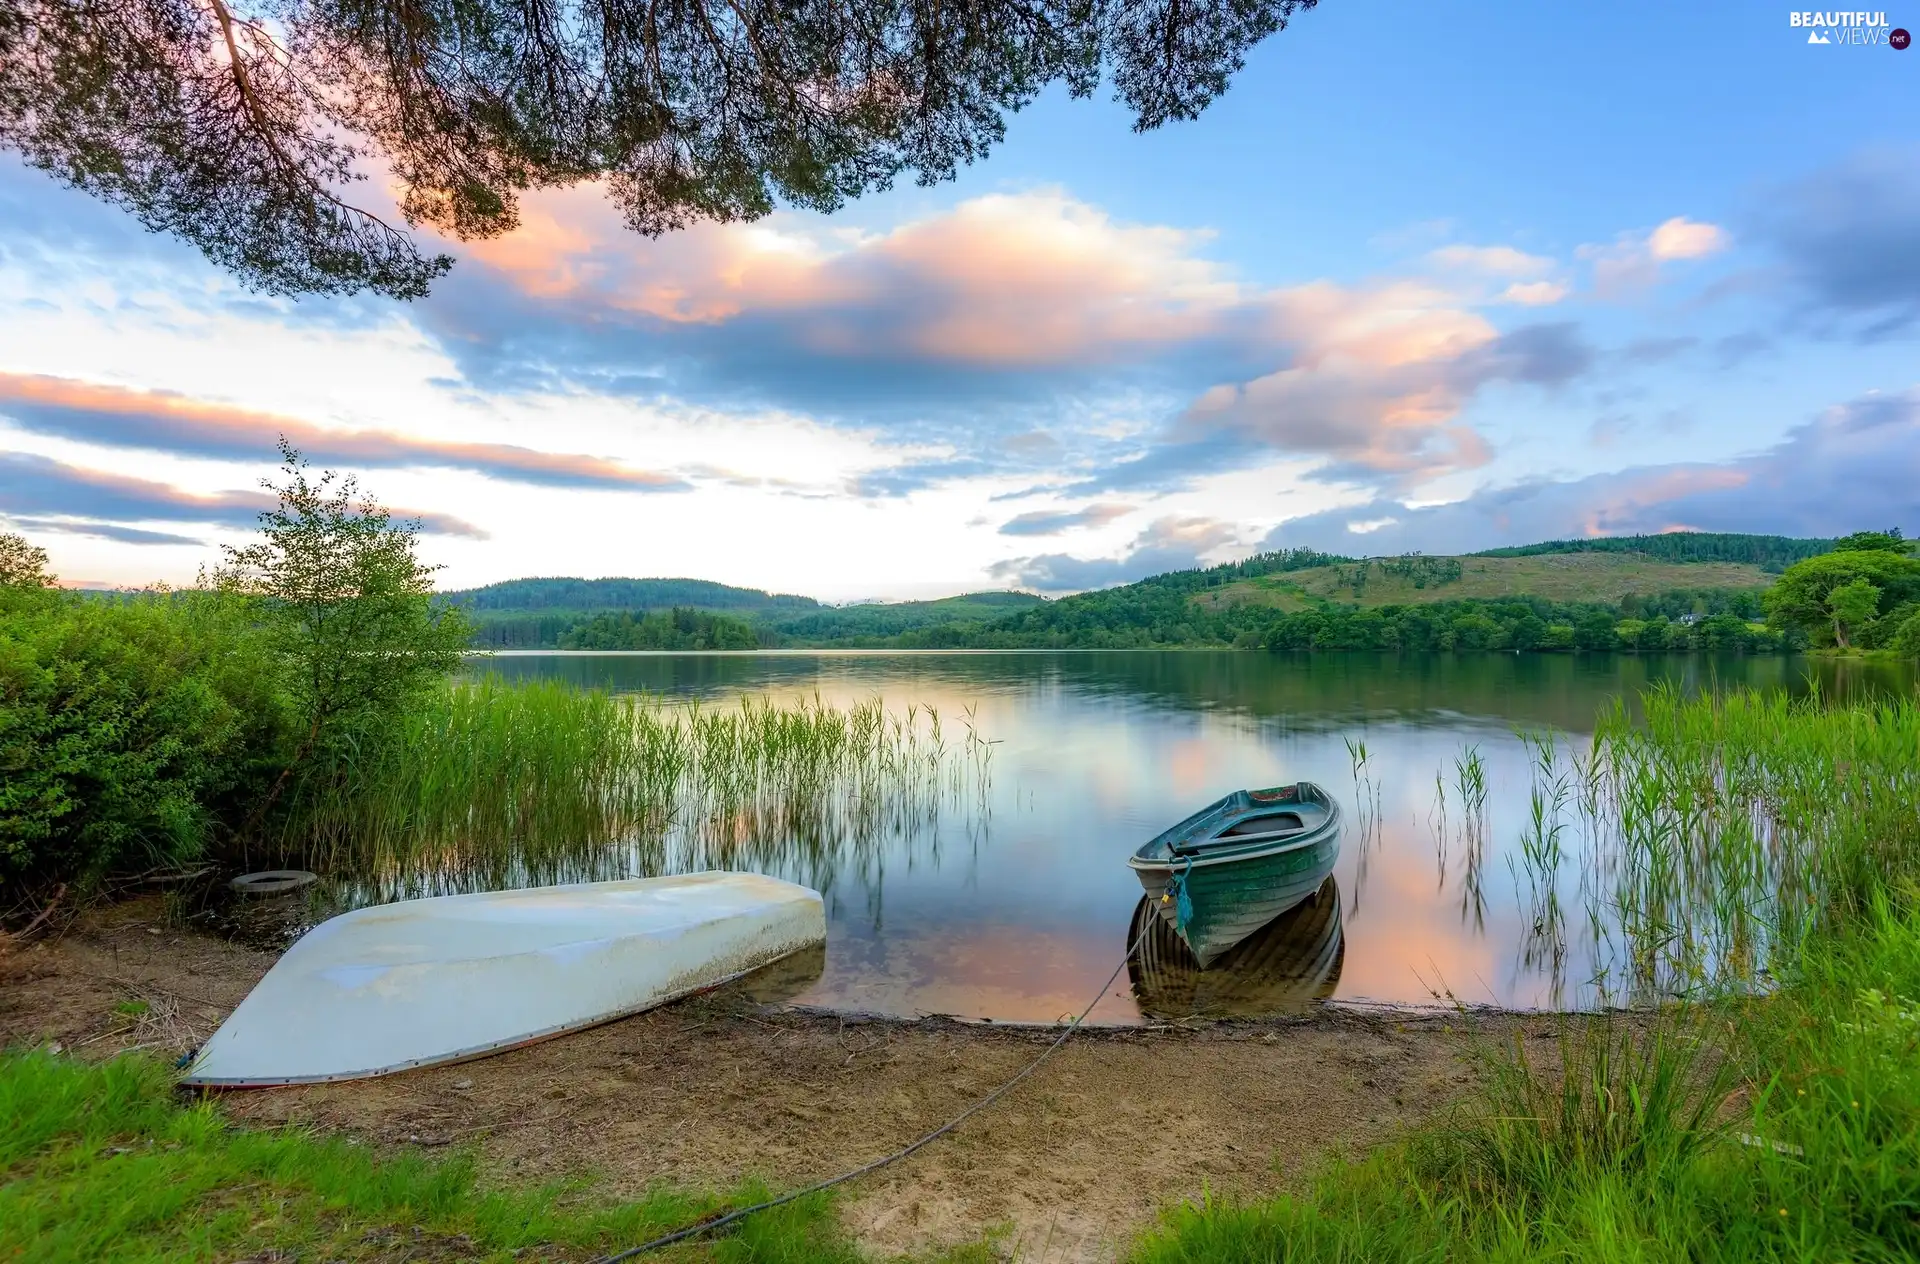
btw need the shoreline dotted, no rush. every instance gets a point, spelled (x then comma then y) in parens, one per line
(1122, 1122)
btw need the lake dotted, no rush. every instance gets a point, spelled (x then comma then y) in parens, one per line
(1014, 902)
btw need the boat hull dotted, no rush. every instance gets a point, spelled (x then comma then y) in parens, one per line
(1231, 900)
(423, 982)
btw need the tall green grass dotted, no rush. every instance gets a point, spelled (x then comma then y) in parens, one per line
(499, 784)
(1761, 857)
(1726, 829)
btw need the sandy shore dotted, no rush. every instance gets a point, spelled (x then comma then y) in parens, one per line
(1120, 1123)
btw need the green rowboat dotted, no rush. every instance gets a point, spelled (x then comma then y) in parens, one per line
(1238, 863)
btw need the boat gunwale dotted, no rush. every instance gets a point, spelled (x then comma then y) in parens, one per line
(1196, 860)
(1238, 805)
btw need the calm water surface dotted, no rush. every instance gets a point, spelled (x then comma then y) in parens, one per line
(1016, 904)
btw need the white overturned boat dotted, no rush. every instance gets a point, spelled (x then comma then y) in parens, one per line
(422, 982)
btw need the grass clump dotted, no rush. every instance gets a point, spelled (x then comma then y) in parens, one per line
(1836, 1065)
(103, 1162)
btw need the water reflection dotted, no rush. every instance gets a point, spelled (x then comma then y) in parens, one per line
(1314, 692)
(1282, 968)
(787, 979)
(1469, 873)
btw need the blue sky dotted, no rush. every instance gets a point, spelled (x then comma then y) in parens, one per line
(1428, 277)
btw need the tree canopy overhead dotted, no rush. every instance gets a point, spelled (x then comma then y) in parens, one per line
(242, 125)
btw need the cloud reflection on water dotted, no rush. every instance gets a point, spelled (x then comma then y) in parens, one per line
(1018, 912)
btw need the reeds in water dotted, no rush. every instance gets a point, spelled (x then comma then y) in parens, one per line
(1732, 825)
(1470, 780)
(495, 784)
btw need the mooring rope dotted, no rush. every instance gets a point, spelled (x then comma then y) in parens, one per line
(720, 1222)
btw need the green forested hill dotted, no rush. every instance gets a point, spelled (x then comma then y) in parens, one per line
(541, 613)
(1638, 592)
(623, 594)
(613, 614)
(877, 621)
(1551, 599)
(1417, 579)
(677, 629)
(1772, 553)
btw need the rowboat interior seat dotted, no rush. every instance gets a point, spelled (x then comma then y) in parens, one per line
(1278, 823)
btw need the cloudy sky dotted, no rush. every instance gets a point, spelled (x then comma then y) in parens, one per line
(1435, 277)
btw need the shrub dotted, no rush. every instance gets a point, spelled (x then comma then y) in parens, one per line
(128, 729)
(1906, 640)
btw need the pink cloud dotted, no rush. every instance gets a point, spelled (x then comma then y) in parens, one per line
(1853, 466)
(1372, 375)
(1534, 293)
(1498, 260)
(1631, 262)
(1683, 238)
(1035, 279)
(164, 421)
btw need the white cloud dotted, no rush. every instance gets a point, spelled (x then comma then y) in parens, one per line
(1534, 293)
(1683, 238)
(1170, 543)
(1631, 262)
(1498, 260)
(1853, 467)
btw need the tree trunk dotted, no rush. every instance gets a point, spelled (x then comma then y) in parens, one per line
(259, 814)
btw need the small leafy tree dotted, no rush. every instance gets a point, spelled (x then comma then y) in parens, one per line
(347, 605)
(1889, 541)
(1853, 605)
(1799, 599)
(22, 565)
(1906, 639)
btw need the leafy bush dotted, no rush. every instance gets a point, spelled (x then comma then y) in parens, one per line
(129, 729)
(138, 731)
(1907, 639)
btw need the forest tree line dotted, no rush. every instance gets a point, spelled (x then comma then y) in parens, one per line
(1856, 593)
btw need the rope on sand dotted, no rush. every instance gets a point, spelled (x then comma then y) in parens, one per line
(721, 1222)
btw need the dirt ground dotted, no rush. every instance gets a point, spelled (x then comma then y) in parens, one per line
(1117, 1125)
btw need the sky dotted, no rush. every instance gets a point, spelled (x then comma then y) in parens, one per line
(1427, 278)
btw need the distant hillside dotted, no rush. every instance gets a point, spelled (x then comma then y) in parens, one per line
(606, 614)
(1246, 603)
(1772, 553)
(1602, 577)
(543, 613)
(880, 620)
(623, 594)
(1167, 609)
(1563, 586)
